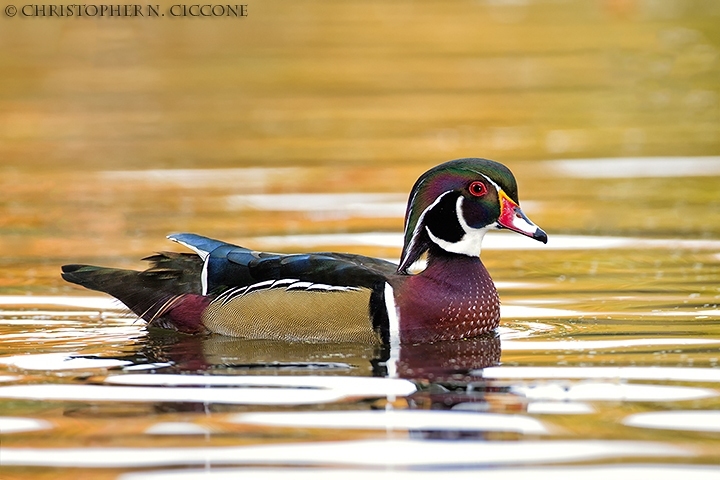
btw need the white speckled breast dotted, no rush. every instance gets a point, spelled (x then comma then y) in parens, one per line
(448, 301)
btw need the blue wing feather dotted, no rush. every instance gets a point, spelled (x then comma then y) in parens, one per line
(230, 265)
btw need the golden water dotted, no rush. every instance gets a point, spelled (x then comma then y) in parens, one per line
(116, 132)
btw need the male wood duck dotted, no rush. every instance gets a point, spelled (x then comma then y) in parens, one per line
(338, 297)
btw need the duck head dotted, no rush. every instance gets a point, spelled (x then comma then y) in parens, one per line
(454, 204)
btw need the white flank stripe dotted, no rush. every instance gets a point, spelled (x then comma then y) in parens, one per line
(204, 274)
(302, 285)
(265, 284)
(394, 330)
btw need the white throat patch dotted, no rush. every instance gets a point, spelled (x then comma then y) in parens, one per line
(470, 244)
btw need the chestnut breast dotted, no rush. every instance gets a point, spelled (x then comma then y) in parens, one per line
(448, 301)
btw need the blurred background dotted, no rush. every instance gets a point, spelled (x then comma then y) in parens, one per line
(117, 131)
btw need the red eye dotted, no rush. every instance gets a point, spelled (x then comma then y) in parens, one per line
(477, 189)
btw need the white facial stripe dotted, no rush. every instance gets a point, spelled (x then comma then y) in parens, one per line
(394, 330)
(471, 242)
(460, 214)
(416, 231)
(497, 187)
(411, 201)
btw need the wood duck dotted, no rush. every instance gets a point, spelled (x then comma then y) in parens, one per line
(338, 297)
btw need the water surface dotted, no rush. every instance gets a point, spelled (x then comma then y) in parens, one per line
(304, 128)
(608, 350)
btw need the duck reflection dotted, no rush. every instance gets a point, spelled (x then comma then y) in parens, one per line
(440, 371)
(429, 361)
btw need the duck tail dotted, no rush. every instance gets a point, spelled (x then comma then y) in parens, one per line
(151, 294)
